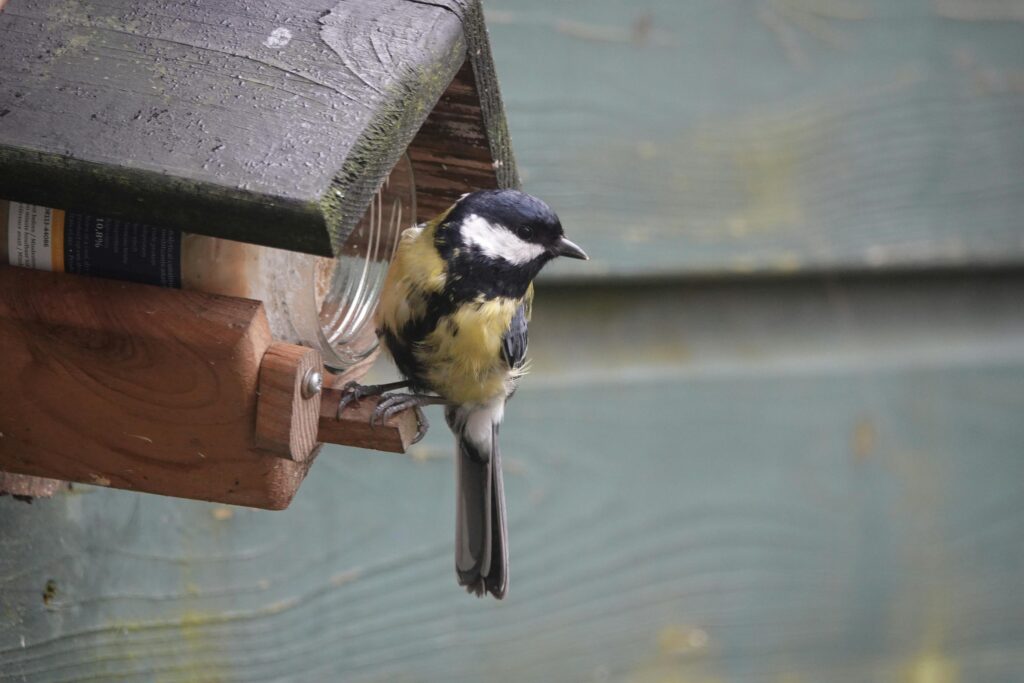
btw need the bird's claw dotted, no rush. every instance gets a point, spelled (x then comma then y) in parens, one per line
(422, 426)
(352, 391)
(392, 404)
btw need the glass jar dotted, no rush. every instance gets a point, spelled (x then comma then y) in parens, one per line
(321, 302)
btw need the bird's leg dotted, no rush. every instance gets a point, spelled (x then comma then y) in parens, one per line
(353, 391)
(396, 403)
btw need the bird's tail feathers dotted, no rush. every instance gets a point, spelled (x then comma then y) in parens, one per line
(481, 535)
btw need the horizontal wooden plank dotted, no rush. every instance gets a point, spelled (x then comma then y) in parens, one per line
(745, 482)
(770, 136)
(139, 387)
(352, 426)
(455, 151)
(269, 122)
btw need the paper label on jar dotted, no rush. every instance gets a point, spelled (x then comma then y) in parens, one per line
(73, 242)
(35, 237)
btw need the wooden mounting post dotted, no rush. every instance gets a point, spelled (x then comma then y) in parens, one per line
(160, 390)
(288, 407)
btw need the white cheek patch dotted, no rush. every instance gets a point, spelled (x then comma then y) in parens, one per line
(497, 241)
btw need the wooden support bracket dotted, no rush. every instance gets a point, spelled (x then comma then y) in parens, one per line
(352, 427)
(166, 391)
(288, 407)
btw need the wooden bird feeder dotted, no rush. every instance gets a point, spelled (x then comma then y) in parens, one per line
(272, 124)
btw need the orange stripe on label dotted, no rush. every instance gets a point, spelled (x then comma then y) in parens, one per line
(57, 241)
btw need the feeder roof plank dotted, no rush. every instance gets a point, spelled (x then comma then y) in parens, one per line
(268, 122)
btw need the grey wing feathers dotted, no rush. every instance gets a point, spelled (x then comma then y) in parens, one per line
(513, 344)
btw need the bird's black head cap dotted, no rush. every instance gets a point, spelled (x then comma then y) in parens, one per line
(531, 219)
(496, 241)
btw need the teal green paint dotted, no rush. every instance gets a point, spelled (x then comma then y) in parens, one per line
(793, 479)
(817, 451)
(621, 530)
(771, 136)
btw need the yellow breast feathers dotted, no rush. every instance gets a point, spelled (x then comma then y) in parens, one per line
(463, 355)
(416, 272)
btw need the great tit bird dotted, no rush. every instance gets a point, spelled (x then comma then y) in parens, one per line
(453, 315)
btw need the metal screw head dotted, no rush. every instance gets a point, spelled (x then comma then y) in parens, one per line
(312, 383)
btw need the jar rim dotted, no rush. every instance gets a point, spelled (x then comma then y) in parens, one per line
(348, 286)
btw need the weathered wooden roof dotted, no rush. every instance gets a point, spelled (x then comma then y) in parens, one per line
(269, 122)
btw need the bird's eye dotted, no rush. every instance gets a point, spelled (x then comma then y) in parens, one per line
(525, 231)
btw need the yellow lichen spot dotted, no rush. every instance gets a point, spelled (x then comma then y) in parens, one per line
(514, 467)
(788, 262)
(681, 655)
(423, 453)
(768, 172)
(676, 639)
(932, 667)
(637, 234)
(195, 636)
(864, 437)
(738, 226)
(667, 674)
(222, 513)
(646, 150)
(675, 352)
(743, 265)
(348, 576)
(280, 606)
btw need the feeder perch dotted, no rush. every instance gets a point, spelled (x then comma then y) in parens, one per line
(278, 125)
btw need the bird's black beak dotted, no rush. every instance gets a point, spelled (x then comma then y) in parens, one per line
(566, 247)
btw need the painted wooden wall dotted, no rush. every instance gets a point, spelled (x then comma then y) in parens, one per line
(716, 136)
(773, 434)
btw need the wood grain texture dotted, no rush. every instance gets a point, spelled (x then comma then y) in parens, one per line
(135, 387)
(286, 420)
(266, 122)
(451, 153)
(771, 136)
(830, 493)
(485, 80)
(352, 427)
